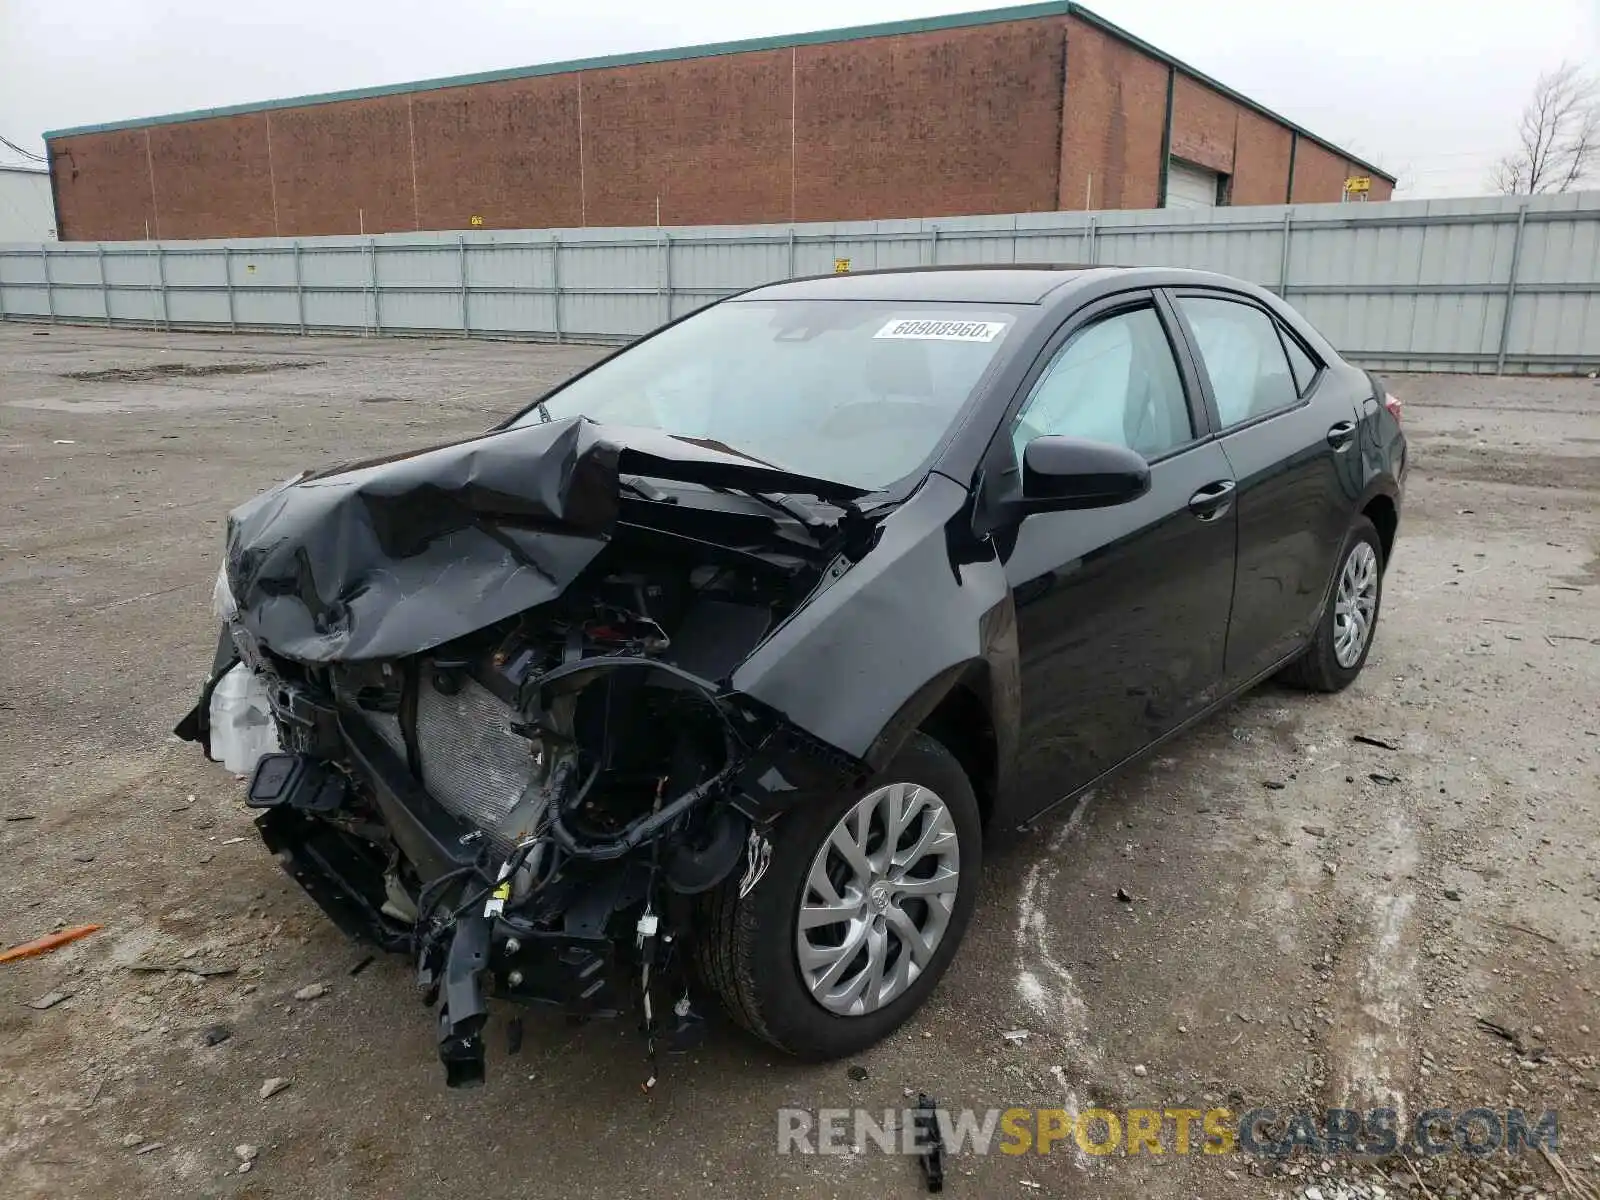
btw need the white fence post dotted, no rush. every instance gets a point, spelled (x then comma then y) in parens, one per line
(160, 288)
(1511, 290)
(372, 281)
(666, 275)
(555, 283)
(227, 280)
(105, 290)
(1283, 258)
(461, 271)
(49, 291)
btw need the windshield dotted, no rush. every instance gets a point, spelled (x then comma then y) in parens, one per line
(856, 392)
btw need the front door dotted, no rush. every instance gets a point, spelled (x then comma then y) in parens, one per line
(1122, 612)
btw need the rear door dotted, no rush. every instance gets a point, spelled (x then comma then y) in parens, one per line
(1289, 440)
(1122, 612)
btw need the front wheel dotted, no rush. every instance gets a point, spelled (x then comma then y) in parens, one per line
(1343, 636)
(861, 908)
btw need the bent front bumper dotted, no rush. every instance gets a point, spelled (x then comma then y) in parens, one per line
(576, 968)
(606, 931)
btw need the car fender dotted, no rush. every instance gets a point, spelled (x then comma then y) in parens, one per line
(925, 610)
(1382, 484)
(1379, 483)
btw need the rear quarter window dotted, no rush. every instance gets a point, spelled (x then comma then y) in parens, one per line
(1301, 364)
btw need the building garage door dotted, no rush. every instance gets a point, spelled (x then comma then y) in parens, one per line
(1189, 186)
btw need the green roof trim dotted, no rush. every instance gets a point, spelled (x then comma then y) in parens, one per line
(993, 16)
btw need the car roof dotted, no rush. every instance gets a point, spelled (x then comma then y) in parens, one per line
(979, 283)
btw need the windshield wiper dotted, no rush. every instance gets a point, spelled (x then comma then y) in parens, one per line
(779, 501)
(722, 448)
(797, 509)
(640, 486)
(782, 502)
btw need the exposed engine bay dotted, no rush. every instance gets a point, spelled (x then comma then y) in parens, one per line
(530, 808)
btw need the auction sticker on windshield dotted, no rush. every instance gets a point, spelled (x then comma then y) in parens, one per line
(933, 330)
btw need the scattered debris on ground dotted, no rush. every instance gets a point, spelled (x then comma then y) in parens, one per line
(273, 1086)
(1366, 739)
(206, 970)
(47, 943)
(930, 1142)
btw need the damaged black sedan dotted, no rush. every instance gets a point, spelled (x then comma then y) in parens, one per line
(702, 678)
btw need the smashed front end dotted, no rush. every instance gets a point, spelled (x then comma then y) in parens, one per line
(497, 676)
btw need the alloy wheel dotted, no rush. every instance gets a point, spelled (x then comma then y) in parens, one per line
(1355, 605)
(877, 899)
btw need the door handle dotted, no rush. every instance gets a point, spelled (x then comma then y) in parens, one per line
(1211, 501)
(1341, 435)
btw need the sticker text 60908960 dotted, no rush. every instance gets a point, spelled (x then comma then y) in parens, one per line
(934, 330)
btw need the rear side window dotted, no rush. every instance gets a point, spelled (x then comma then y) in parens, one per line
(1244, 357)
(1303, 366)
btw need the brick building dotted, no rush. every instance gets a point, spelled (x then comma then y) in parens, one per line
(1037, 108)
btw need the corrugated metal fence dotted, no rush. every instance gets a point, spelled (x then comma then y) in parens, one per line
(1499, 283)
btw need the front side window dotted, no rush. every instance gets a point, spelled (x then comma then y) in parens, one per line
(1114, 381)
(857, 392)
(1243, 356)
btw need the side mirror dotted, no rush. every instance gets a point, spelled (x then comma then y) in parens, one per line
(1065, 473)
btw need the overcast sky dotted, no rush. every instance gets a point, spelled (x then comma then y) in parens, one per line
(1428, 89)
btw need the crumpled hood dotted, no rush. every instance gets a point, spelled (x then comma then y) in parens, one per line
(394, 556)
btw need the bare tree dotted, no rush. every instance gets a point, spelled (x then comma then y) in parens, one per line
(1558, 136)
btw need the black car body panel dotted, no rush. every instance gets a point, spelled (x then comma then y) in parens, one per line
(392, 557)
(571, 673)
(917, 608)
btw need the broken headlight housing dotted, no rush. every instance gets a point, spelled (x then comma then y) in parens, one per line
(226, 609)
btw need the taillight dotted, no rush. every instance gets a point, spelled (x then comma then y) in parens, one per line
(1392, 403)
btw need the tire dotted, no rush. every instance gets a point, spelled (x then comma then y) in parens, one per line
(748, 948)
(1319, 668)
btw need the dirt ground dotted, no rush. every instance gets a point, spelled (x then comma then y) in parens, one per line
(1313, 919)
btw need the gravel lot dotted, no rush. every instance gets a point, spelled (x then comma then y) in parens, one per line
(1313, 919)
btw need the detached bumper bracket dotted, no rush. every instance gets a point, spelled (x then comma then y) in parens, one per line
(430, 837)
(465, 1010)
(295, 780)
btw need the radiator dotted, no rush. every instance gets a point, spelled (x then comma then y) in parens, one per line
(472, 763)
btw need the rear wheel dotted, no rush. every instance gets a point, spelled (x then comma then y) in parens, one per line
(1343, 637)
(861, 908)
